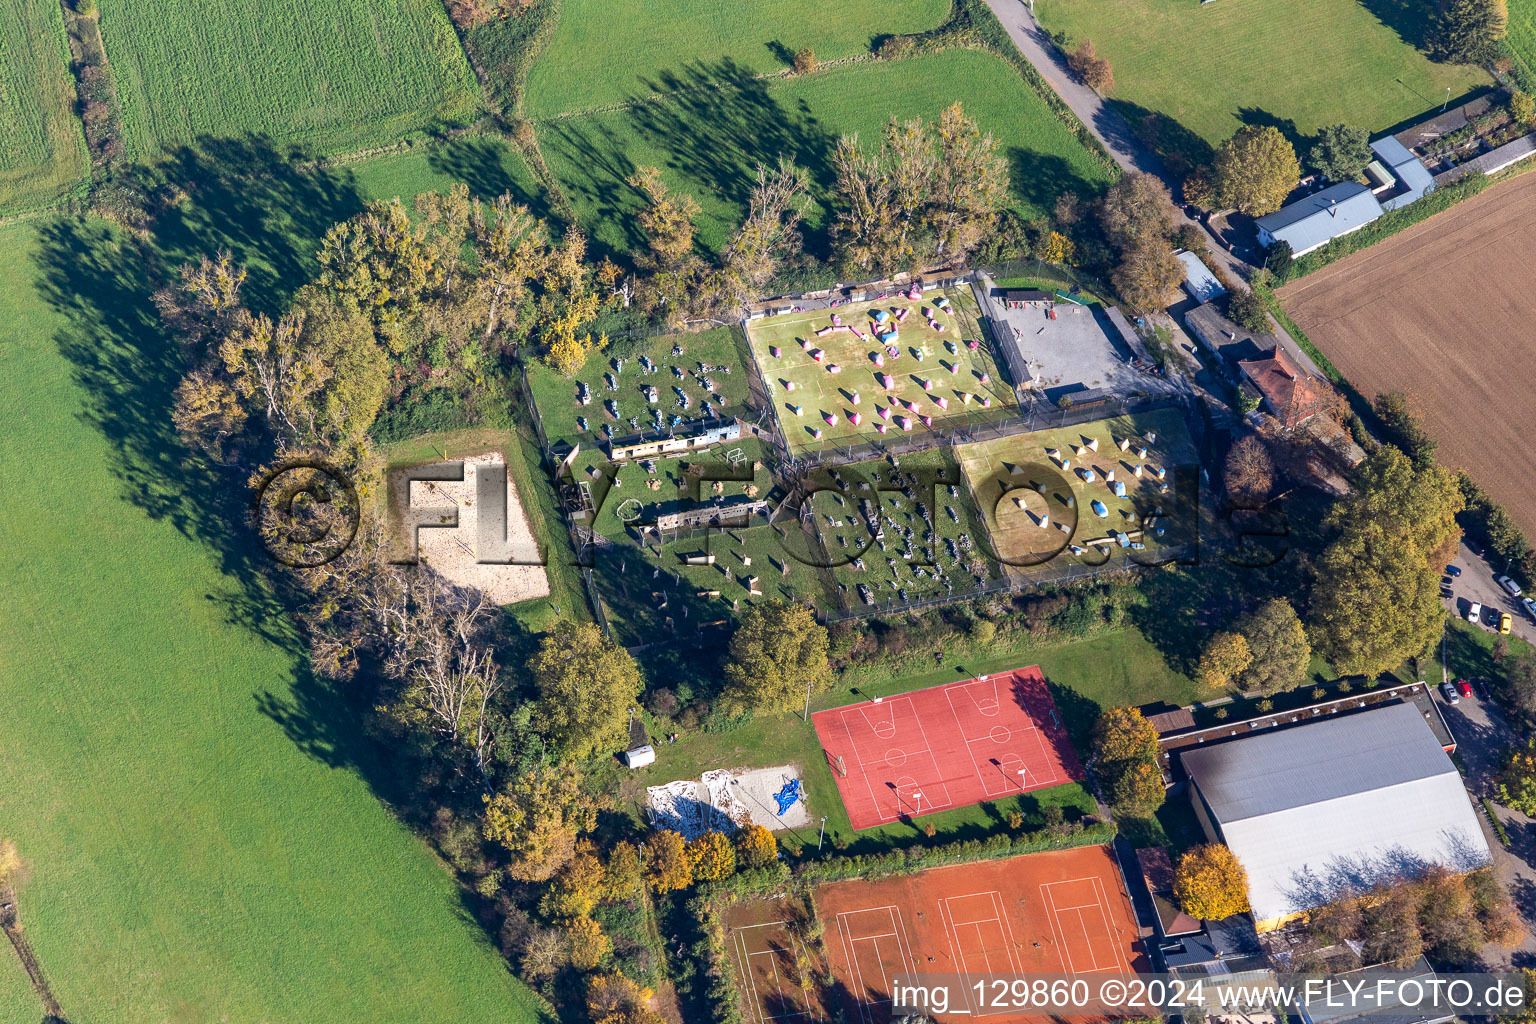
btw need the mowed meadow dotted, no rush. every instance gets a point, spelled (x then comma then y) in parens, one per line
(710, 133)
(42, 146)
(602, 53)
(336, 74)
(203, 838)
(1302, 65)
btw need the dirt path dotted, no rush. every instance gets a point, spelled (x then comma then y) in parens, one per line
(12, 928)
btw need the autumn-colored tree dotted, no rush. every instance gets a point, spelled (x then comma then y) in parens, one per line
(1517, 782)
(537, 819)
(1250, 471)
(1279, 648)
(777, 652)
(587, 684)
(621, 872)
(1147, 273)
(1255, 170)
(1225, 655)
(1126, 760)
(1056, 247)
(382, 263)
(587, 944)
(1136, 206)
(667, 219)
(614, 999)
(970, 185)
(805, 60)
(1376, 601)
(544, 954)
(1091, 68)
(755, 846)
(513, 249)
(1210, 884)
(712, 856)
(667, 865)
(770, 234)
(576, 887)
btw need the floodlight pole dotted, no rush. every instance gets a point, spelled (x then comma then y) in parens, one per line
(807, 716)
(823, 834)
(1447, 99)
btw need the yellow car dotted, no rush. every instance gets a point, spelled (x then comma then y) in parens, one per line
(1505, 622)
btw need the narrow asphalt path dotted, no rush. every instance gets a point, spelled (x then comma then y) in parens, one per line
(1111, 129)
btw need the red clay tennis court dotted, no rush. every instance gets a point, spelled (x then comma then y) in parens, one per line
(947, 746)
(1063, 912)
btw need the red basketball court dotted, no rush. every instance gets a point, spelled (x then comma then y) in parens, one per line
(947, 746)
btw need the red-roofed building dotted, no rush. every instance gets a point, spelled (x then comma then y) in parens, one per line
(1290, 395)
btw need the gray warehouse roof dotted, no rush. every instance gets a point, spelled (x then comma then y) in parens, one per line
(1409, 170)
(1341, 798)
(1313, 221)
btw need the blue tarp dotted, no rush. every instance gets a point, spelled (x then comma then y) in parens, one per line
(787, 796)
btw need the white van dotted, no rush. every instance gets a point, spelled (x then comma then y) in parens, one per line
(1475, 613)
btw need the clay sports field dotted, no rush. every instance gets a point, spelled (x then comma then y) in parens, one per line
(1041, 913)
(947, 746)
(1444, 312)
(958, 378)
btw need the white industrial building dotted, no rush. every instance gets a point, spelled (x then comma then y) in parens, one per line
(1349, 797)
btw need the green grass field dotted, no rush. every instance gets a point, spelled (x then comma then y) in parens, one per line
(810, 397)
(1521, 37)
(601, 54)
(335, 74)
(201, 845)
(488, 165)
(999, 475)
(1214, 67)
(709, 141)
(938, 556)
(42, 147)
(562, 413)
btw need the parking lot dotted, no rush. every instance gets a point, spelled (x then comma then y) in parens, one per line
(1477, 584)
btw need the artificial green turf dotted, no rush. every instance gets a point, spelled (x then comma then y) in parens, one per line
(336, 74)
(201, 848)
(945, 362)
(1215, 67)
(42, 146)
(602, 53)
(710, 140)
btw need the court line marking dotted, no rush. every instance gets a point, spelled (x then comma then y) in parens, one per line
(772, 951)
(1032, 728)
(903, 954)
(1098, 887)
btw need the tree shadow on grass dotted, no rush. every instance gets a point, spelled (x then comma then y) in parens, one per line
(1255, 116)
(1409, 19)
(1180, 149)
(713, 124)
(490, 168)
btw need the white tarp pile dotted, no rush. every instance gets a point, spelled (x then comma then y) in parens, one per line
(692, 807)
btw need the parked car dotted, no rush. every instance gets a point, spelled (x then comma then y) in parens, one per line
(1451, 696)
(1475, 613)
(1447, 581)
(1510, 585)
(1453, 570)
(1447, 592)
(1505, 622)
(1464, 688)
(1529, 604)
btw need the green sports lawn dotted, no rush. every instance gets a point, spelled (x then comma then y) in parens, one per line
(1216, 66)
(42, 147)
(808, 395)
(604, 53)
(191, 860)
(336, 74)
(710, 142)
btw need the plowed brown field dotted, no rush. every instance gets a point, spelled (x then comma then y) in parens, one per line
(1446, 313)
